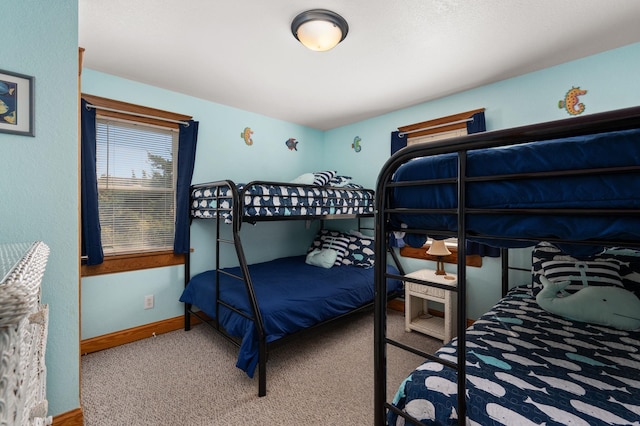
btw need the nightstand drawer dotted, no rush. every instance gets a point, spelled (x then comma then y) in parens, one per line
(427, 290)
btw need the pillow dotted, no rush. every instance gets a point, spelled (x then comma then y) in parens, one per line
(339, 244)
(353, 186)
(541, 253)
(360, 234)
(305, 179)
(629, 261)
(339, 181)
(324, 258)
(323, 178)
(335, 240)
(361, 251)
(604, 305)
(582, 273)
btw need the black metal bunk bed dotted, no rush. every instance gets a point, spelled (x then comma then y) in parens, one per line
(453, 183)
(228, 299)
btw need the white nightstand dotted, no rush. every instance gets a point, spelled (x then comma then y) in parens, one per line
(416, 297)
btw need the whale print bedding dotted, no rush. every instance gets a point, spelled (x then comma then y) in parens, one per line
(265, 199)
(525, 366)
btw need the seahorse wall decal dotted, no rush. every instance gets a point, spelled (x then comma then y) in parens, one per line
(571, 103)
(246, 135)
(356, 144)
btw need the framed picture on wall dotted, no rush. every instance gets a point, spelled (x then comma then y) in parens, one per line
(16, 103)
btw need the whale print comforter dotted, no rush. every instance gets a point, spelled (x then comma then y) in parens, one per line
(525, 366)
(267, 199)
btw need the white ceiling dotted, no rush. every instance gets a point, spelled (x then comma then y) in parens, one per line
(398, 53)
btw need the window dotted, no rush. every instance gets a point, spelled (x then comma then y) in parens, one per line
(436, 136)
(136, 162)
(136, 185)
(443, 127)
(439, 129)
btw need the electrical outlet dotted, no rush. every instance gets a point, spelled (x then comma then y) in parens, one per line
(148, 302)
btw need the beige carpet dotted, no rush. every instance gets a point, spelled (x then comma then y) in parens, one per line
(190, 378)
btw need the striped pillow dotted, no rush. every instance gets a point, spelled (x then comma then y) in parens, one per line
(339, 244)
(629, 261)
(583, 273)
(339, 181)
(335, 240)
(323, 178)
(544, 252)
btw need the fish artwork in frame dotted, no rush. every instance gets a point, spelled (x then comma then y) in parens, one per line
(16, 103)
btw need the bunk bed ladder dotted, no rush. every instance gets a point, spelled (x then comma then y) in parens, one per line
(256, 317)
(221, 212)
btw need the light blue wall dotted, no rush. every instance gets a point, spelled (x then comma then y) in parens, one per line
(612, 82)
(39, 175)
(609, 78)
(221, 154)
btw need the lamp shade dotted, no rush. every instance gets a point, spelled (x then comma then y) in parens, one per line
(319, 29)
(438, 248)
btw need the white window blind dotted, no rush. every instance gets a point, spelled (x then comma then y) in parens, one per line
(436, 136)
(136, 175)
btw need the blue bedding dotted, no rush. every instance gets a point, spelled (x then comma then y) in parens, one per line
(619, 191)
(281, 200)
(291, 294)
(529, 367)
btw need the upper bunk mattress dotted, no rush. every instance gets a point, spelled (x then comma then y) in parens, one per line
(262, 199)
(592, 190)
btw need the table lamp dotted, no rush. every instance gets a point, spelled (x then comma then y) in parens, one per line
(439, 249)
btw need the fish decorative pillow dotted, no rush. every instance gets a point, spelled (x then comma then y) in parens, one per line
(325, 258)
(609, 306)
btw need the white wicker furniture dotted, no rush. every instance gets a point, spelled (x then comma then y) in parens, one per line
(23, 335)
(416, 297)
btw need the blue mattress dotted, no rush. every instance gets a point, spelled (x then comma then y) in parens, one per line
(529, 367)
(619, 191)
(291, 294)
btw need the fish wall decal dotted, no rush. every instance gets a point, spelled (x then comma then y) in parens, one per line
(292, 144)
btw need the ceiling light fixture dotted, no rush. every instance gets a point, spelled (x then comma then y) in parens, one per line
(319, 29)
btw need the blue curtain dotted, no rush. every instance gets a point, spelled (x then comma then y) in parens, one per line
(482, 249)
(397, 142)
(91, 233)
(186, 159)
(477, 124)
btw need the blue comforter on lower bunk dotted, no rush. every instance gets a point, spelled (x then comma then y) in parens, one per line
(606, 191)
(528, 367)
(292, 296)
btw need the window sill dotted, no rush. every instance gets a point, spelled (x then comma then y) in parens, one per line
(133, 262)
(421, 253)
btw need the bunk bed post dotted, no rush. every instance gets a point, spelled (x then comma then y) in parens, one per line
(187, 277)
(380, 314)
(504, 255)
(462, 287)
